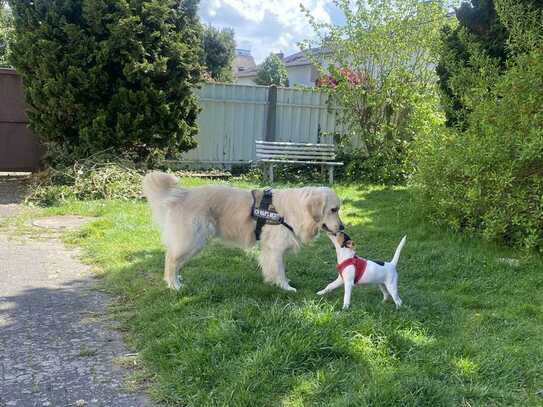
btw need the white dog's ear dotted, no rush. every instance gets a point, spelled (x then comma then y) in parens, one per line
(315, 206)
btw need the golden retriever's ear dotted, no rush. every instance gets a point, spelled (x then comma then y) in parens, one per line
(315, 206)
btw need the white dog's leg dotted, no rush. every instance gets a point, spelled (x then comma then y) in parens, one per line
(332, 286)
(392, 287)
(273, 268)
(348, 278)
(384, 290)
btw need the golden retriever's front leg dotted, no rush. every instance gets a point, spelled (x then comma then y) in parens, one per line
(273, 268)
(171, 271)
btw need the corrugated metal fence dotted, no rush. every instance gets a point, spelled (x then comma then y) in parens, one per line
(303, 115)
(234, 116)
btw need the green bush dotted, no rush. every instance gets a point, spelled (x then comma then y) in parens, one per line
(489, 178)
(115, 75)
(6, 33)
(386, 165)
(391, 160)
(378, 68)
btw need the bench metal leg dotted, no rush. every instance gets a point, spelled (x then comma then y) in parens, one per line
(270, 173)
(331, 174)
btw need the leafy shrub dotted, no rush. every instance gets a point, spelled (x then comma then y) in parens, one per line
(392, 162)
(6, 33)
(489, 178)
(387, 165)
(112, 74)
(378, 67)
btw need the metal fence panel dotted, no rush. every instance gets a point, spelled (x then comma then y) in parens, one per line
(303, 116)
(234, 116)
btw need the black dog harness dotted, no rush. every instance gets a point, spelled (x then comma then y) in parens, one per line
(265, 214)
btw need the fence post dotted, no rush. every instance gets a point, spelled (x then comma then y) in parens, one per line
(272, 109)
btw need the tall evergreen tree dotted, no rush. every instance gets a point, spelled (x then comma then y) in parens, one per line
(219, 51)
(478, 23)
(110, 74)
(479, 27)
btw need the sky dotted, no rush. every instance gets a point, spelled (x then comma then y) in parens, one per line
(265, 26)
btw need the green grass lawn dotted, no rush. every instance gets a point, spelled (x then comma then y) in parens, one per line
(469, 332)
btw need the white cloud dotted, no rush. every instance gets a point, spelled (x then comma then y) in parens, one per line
(266, 26)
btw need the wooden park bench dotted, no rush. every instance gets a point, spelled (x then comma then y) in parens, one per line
(270, 153)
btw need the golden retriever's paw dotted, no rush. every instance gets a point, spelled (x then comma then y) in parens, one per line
(175, 284)
(321, 292)
(287, 287)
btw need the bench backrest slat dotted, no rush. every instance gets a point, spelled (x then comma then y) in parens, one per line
(266, 150)
(297, 157)
(303, 152)
(280, 148)
(285, 143)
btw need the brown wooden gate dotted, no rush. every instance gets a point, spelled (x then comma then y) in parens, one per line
(20, 149)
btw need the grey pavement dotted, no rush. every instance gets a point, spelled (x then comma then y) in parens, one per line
(12, 190)
(55, 346)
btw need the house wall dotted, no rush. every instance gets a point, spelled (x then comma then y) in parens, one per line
(300, 75)
(247, 80)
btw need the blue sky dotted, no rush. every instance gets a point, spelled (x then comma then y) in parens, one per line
(267, 25)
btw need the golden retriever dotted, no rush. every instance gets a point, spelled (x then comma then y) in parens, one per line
(189, 217)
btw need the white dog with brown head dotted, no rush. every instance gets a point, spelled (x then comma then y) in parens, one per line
(354, 270)
(189, 217)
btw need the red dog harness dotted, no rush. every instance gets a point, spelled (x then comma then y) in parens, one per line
(359, 265)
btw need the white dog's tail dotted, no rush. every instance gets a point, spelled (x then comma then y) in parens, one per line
(157, 187)
(396, 257)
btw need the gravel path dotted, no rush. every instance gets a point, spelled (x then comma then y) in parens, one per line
(54, 347)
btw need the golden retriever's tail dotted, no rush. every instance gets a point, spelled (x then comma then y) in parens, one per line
(157, 188)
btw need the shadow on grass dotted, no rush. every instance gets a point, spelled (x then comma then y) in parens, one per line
(229, 339)
(243, 342)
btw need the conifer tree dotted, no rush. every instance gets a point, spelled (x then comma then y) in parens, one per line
(110, 74)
